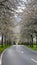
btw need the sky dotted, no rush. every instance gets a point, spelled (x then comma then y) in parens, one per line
(17, 18)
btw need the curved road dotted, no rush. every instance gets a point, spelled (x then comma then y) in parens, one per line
(19, 55)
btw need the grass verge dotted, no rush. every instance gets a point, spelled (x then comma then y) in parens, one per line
(3, 48)
(33, 48)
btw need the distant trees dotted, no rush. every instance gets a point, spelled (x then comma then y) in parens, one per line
(27, 24)
(5, 21)
(29, 19)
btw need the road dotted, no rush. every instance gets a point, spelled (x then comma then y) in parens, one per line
(0, 60)
(19, 55)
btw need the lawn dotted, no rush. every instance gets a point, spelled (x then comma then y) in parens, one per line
(33, 48)
(3, 48)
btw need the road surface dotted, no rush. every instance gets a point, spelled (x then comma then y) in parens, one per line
(19, 55)
(0, 60)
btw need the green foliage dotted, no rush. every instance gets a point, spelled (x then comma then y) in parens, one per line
(33, 48)
(2, 48)
(23, 43)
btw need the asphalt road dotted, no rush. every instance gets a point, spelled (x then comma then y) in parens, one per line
(19, 55)
(0, 60)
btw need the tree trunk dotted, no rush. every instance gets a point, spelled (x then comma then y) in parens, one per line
(2, 40)
(5, 39)
(31, 41)
(36, 40)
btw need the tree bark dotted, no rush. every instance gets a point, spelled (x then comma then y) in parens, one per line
(36, 40)
(2, 40)
(5, 40)
(31, 41)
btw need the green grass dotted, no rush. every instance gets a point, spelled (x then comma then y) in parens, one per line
(33, 48)
(3, 48)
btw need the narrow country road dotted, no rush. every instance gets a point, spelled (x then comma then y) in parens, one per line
(19, 55)
(0, 60)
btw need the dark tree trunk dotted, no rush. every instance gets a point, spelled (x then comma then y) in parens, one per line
(36, 36)
(36, 40)
(5, 40)
(2, 40)
(31, 41)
